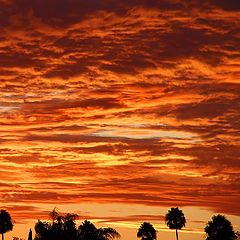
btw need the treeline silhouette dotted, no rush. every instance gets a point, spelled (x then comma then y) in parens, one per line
(64, 227)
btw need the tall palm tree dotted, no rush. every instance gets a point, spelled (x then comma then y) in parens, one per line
(220, 228)
(175, 219)
(147, 232)
(6, 222)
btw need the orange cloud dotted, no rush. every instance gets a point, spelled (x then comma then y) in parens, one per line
(131, 102)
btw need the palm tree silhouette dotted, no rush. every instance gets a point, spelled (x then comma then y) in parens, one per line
(69, 225)
(107, 234)
(219, 228)
(63, 227)
(147, 232)
(6, 223)
(88, 231)
(42, 230)
(54, 214)
(175, 219)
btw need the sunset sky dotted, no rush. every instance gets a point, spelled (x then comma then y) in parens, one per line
(118, 110)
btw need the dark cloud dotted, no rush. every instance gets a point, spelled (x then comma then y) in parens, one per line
(64, 13)
(231, 5)
(130, 65)
(16, 59)
(59, 104)
(207, 109)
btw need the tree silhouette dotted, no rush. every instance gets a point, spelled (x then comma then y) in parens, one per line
(63, 227)
(107, 234)
(69, 226)
(54, 215)
(175, 219)
(30, 234)
(147, 232)
(219, 228)
(88, 231)
(42, 230)
(6, 223)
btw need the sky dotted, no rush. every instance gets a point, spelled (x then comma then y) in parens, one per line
(120, 110)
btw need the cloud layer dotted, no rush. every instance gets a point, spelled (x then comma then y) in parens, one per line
(120, 102)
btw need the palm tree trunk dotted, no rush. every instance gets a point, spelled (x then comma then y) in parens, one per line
(2, 236)
(176, 234)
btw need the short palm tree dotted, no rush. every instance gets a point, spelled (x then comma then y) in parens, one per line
(147, 232)
(107, 233)
(175, 219)
(6, 223)
(220, 228)
(42, 230)
(88, 231)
